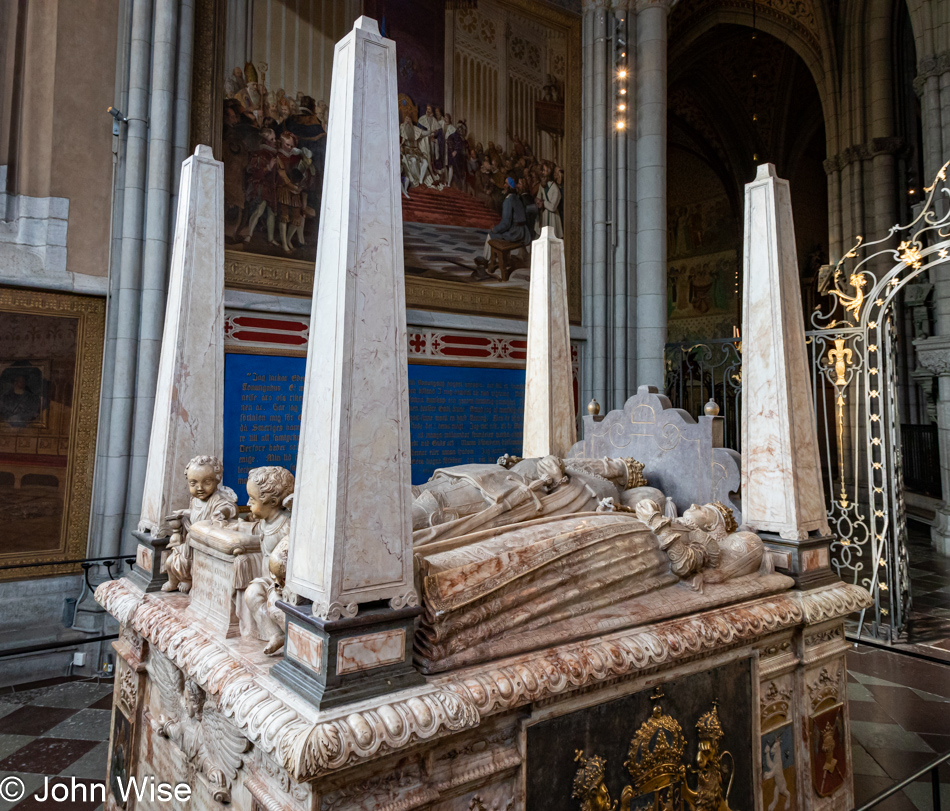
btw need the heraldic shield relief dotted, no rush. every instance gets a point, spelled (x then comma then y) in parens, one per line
(779, 768)
(829, 764)
(683, 749)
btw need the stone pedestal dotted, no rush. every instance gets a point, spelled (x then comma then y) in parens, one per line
(224, 561)
(782, 492)
(148, 572)
(550, 424)
(334, 663)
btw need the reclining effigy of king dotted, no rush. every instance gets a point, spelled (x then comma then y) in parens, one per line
(638, 619)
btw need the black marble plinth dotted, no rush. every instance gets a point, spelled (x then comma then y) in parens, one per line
(153, 578)
(607, 730)
(316, 663)
(807, 562)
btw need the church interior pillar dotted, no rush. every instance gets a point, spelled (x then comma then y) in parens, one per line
(651, 191)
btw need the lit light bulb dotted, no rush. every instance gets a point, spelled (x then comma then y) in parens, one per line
(623, 91)
(622, 74)
(623, 55)
(623, 107)
(620, 125)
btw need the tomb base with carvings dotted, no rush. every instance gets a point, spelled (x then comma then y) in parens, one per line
(747, 699)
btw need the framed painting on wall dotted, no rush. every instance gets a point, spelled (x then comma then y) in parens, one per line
(50, 368)
(483, 98)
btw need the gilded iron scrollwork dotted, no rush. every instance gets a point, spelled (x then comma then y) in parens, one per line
(658, 769)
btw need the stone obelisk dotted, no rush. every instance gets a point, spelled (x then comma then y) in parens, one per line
(188, 414)
(351, 533)
(782, 492)
(550, 426)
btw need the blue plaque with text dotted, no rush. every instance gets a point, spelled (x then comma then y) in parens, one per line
(457, 415)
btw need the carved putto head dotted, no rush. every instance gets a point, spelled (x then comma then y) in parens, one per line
(269, 491)
(204, 475)
(589, 785)
(193, 699)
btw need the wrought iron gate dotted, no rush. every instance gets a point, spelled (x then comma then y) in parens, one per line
(853, 351)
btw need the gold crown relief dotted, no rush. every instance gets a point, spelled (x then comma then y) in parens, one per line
(727, 515)
(655, 758)
(708, 727)
(635, 477)
(589, 776)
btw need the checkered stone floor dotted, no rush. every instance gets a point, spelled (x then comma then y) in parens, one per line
(448, 252)
(900, 722)
(57, 729)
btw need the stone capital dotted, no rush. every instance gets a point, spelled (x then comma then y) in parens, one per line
(933, 354)
(932, 65)
(640, 5)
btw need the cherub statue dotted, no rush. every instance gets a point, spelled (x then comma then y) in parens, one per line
(209, 500)
(193, 722)
(270, 495)
(704, 545)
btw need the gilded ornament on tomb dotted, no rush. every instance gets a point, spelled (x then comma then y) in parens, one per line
(659, 770)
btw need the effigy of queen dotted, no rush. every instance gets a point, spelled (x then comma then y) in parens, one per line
(626, 619)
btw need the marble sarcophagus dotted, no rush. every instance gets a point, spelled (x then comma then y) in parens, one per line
(589, 627)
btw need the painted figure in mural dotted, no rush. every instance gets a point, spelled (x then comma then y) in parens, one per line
(414, 163)
(549, 201)
(456, 152)
(261, 186)
(210, 500)
(294, 176)
(431, 130)
(20, 400)
(270, 496)
(468, 498)
(311, 134)
(512, 228)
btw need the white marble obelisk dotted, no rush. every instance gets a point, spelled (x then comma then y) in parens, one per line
(188, 415)
(781, 475)
(550, 426)
(351, 536)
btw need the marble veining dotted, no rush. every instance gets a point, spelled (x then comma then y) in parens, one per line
(781, 475)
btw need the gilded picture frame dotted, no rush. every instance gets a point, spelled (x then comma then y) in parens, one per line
(285, 276)
(84, 316)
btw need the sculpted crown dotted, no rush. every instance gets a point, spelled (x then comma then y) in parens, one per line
(656, 753)
(635, 477)
(708, 727)
(589, 776)
(727, 516)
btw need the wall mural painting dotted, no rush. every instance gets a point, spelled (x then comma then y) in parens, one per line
(482, 132)
(702, 270)
(50, 362)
